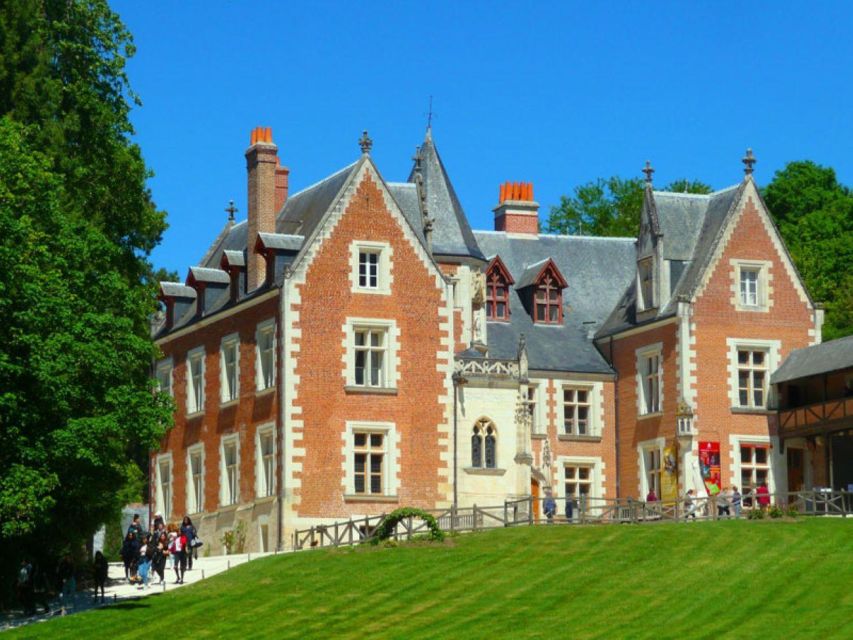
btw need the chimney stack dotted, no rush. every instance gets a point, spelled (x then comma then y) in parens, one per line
(267, 193)
(517, 211)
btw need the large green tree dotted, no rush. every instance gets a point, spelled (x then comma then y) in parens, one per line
(76, 286)
(814, 213)
(608, 206)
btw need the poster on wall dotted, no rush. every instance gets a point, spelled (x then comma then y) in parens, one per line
(709, 462)
(669, 477)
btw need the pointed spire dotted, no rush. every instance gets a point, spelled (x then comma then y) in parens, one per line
(748, 161)
(649, 171)
(365, 143)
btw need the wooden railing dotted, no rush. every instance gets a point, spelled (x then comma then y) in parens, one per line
(586, 510)
(815, 415)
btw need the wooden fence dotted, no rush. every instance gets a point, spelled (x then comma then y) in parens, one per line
(585, 510)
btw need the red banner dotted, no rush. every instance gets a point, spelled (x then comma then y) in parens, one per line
(709, 462)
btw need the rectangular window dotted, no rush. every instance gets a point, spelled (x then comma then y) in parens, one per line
(195, 381)
(266, 356)
(230, 472)
(535, 427)
(164, 469)
(576, 411)
(370, 357)
(650, 371)
(195, 502)
(749, 283)
(752, 378)
(754, 466)
(368, 269)
(652, 465)
(164, 376)
(369, 459)
(230, 362)
(266, 463)
(497, 298)
(578, 480)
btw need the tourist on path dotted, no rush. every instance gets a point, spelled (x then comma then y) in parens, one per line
(737, 501)
(130, 555)
(689, 505)
(550, 506)
(161, 556)
(723, 503)
(24, 587)
(101, 570)
(570, 505)
(763, 496)
(190, 534)
(135, 528)
(179, 553)
(146, 553)
(652, 496)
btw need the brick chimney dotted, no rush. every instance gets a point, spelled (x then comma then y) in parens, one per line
(267, 193)
(517, 211)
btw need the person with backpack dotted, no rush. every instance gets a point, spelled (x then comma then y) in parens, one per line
(179, 553)
(100, 573)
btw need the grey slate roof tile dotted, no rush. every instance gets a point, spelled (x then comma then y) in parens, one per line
(834, 355)
(210, 275)
(281, 241)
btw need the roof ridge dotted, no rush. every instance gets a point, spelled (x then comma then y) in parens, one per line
(554, 235)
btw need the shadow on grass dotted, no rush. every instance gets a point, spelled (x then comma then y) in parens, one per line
(126, 605)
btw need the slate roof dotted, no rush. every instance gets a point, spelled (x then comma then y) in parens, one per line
(691, 226)
(215, 276)
(529, 275)
(597, 271)
(177, 290)
(451, 233)
(235, 258)
(281, 241)
(834, 355)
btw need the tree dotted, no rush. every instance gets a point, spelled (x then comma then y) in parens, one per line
(814, 213)
(608, 207)
(77, 289)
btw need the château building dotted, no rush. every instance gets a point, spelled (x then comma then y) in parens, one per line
(356, 346)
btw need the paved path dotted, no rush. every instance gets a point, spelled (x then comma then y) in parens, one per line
(118, 589)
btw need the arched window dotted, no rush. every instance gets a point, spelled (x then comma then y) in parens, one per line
(498, 281)
(484, 451)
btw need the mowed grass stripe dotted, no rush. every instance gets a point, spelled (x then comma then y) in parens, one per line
(722, 579)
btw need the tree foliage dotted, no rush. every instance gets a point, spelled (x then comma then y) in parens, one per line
(608, 206)
(76, 288)
(814, 213)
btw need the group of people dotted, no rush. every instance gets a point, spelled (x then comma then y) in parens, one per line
(34, 586)
(726, 500)
(549, 506)
(148, 553)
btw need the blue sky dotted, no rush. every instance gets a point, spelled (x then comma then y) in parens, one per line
(553, 93)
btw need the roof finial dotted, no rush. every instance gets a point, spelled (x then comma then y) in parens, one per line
(648, 170)
(365, 142)
(417, 158)
(429, 120)
(231, 210)
(748, 160)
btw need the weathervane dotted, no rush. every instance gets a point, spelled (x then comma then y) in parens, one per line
(365, 142)
(648, 170)
(748, 160)
(231, 210)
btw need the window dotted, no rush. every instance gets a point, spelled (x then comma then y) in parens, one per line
(230, 476)
(195, 479)
(370, 346)
(195, 380)
(266, 462)
(754, 466)
(368, 462)
(498, 282)
(649, 380)
(164, 376)
(548, 301)
(652, 466)
(537, 424)
(576, 411)
(752, 378)
(749, 287)
(230, 368)
(578, 480)
(645, 273)
(371, 267)
(164, 485)
(265, 345)
(484, 445)
(368, 269)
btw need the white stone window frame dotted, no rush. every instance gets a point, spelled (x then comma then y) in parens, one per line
(540, 409)
(595, 463)
(265, 327)
(764, 284)
(390, 458)
(195, 405)
(776, 462)
(262, 490)
(641, 355)
(231, 341)
(224, 489)
(392, 349)
(385, 267)
(195, 503)
(643, 448)
(772, 348)
(594, 401)
(165, 506)
(165, 370)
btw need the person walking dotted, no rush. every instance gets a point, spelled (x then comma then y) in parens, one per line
(550, 506)
(763, 494)
(161, 557)
(101, 571)
(179, 552)
(652, 496)
(146, 553)
(689, 505)
(190, 534)
(737, 501)
(724, 503)
(570, 507)
(24, 587)
(135, 527)
(129, 555)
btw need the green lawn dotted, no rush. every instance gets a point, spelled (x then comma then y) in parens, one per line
(738, 579)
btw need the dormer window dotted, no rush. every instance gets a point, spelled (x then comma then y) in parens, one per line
(543, 284)
(645, 275)
(549, 301)
(498, 282)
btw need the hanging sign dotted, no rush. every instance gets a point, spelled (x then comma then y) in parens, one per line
(709, 462)
(669, 477)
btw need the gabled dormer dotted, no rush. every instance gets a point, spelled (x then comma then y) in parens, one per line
(498, 283)
(541, 290)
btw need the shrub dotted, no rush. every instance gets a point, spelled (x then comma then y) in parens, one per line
(234, 540)
(756, 514)
(775, 511)
(792, 512)
(385, 528)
